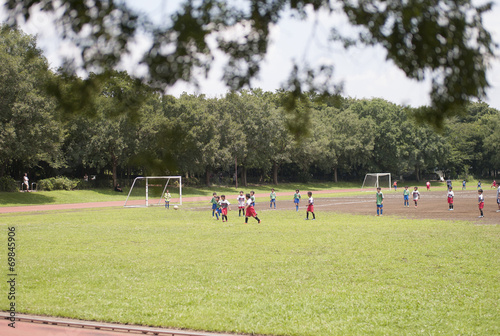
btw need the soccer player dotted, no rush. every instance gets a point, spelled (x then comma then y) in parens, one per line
(448, 183)
(167, 197)
(250, 210)
(494, 184)
(296, 199)
(218, 211)
(395, 185)
(213, 201)
(416, 196)
(224, 204)
(406, 197)
(464, 185)
(478, 185)
(380, 202)
(480, 202)
(498, 198)
(451, 195)
(252, 196)
(310, 206)
(428, 185)
(241, 204)
(272, 196)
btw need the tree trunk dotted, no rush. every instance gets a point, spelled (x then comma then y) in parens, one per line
(417, 173)
(114, 159)
(236, 172)
(207, 177)
(244, 176)
(275, 173)
(335, 175)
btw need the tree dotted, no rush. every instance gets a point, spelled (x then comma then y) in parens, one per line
(443, 39)
(491, 146)
(30, 131)
(347, 142)
(466, 135)
(108, 138)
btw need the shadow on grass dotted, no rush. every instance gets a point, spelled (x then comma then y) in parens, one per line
(25, 198)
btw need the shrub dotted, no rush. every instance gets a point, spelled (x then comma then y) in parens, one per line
(46, 184)
(7, 183)
(57, 183)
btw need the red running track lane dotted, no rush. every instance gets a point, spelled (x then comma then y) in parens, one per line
(47, 207)
(33, 329)
(30, 325)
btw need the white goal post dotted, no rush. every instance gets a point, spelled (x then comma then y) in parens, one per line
(375, 180)
(146, 180)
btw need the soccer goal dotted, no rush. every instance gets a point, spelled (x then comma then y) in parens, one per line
(375, 180)
(150, 191)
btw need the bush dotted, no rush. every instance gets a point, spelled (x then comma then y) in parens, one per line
(7, 183)
(467, 178)
(57, 183)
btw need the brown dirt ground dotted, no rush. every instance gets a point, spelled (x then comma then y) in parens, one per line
(432, 205)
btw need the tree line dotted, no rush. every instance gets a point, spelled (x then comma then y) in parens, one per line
(121, 128)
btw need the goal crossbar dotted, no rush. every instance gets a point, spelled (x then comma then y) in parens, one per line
(147, 178)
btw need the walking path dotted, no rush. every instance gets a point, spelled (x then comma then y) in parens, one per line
(48, 207)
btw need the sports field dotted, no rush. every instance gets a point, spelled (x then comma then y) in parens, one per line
(346, 273)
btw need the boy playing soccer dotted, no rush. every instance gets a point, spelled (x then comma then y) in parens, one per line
(241, 204)
(213, 201)
(224, 204)
(480, 201)
(451, 195)
(310, 206)
(272, 196)
(296, 199)
(380, 202)
(464, 185)
(249, 210)
(406, 197)
(252, 197)
(218, 211)
(416, 196)
(428, 185)
(395, 185)
(167, 199)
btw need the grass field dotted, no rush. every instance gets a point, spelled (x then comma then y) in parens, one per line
(104, 195)
(338, 275)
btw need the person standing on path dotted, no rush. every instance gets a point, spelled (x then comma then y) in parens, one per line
(26, 182)
(296, 199)
(272, 196)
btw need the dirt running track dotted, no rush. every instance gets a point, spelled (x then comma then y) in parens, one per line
(432, 205)
(30, 208)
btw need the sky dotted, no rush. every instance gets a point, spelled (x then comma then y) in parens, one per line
(364, 71)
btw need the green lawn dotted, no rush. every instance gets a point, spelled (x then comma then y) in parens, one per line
(338, 275)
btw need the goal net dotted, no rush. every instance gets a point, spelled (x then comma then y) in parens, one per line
(375, 180)
(150, 191)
